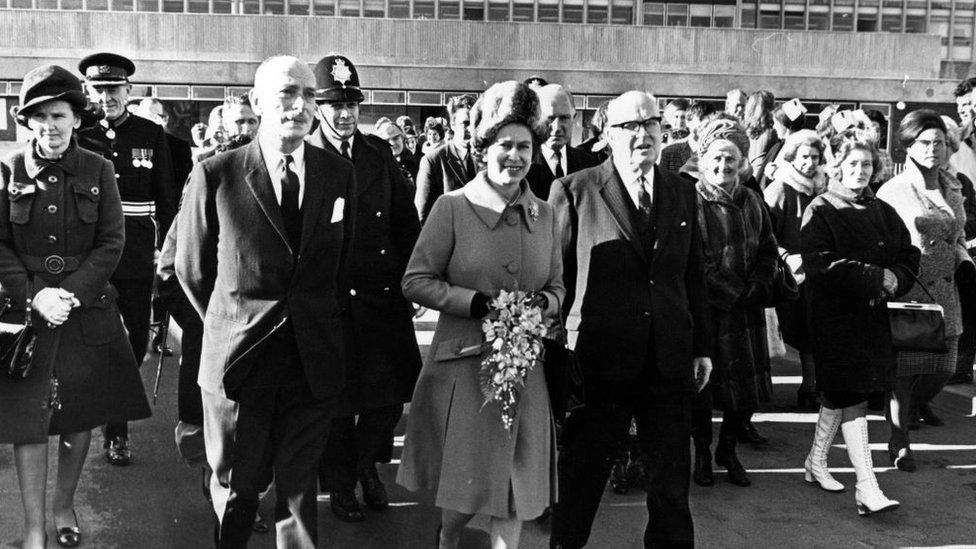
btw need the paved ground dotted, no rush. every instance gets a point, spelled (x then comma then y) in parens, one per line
(156, 503)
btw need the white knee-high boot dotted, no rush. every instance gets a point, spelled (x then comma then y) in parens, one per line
(816, 464)
(868, 495)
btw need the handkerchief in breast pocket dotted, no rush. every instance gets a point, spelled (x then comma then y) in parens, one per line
(338, 209)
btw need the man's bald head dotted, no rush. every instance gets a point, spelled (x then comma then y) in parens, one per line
(557, 114)
(284, 97)
(633, 130)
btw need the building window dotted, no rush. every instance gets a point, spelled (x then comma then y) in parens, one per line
(915, 24)
(748, 16)
(498, 11)
(523, 12)
(843, 18)
(701, 15)
(423, 9)
(867, 22)
(399, 9)
(794, 20)
(724, 16)
(448, 9)
(654, 14)
(677, 15)
(818, 20)
(373, 8)
(890, 22)
(962, 38)
(474, 11)
(596, 12)
(770, 19)
(623, 12)
(572, 11)
(548, 11)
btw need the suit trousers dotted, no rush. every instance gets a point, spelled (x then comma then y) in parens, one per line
(663, 412)
(275, 428)
(189, 403)
(135, 305)
(356, 443)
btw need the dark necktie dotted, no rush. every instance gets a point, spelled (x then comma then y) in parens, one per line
(289, 203)
(345, 150)
(558, 154)
(469, 166)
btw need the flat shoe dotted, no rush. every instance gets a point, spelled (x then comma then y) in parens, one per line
(69, 536)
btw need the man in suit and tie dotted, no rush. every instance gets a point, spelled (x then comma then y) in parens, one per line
(383, 357)
(637, 322)
(556, 158)
(450, 167)
(264, 235)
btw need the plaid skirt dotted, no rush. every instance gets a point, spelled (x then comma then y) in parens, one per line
(911, 363)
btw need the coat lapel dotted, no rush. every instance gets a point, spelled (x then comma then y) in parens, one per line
(454, 163)
(616, 198)
(665, 209)
(315, 181)
(259, 181)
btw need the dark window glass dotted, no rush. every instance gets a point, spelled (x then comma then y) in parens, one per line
(548, 13)
(523, 12)
(449, 10)
(572, 14)
(400, 9)
(596, 14)
(423, 9)
(622, 15)
(474, 11)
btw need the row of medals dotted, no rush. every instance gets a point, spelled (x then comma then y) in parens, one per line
(140, 157)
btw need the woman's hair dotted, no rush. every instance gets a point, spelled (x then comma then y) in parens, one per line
(435, 124)
(758, 115)
(502, 104)
(792, 126)
(599, 119)
(846, 142)
(802, 138)
(917, 122)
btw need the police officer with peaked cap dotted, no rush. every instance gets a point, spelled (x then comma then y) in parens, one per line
(140, 155)
(383, 360)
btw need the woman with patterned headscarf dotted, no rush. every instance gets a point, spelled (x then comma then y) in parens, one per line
(740, 259)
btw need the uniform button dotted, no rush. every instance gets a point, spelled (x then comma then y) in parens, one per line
(52, 178)
(352, 292)
(386, 289)
(382, 252)
(647, 313)
(379, 214)
(95, 191)
(881, 244)
(115, 153)
(52, 239)
(116, 176)
(652, 283)
(52, 209)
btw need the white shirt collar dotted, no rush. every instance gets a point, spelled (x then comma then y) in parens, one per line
(630, 179)
(274, 159)
(550, 155)
(336, 142)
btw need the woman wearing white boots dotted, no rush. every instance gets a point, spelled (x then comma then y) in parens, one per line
(857, 254)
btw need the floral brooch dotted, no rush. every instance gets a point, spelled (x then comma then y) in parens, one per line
(534, 211)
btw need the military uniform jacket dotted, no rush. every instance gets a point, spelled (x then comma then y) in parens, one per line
(383, 357)
(140, 154)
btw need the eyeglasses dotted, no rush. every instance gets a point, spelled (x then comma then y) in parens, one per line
(634, 125)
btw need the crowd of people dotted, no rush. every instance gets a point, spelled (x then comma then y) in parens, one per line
(670, 251)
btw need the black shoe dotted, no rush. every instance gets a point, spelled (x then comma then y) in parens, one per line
(725, 457)
(702, 474)
(902, 458)
(618, 477)
(69, 536)
(749, 434)
(346, 506)
(928, 417)
(374, 493)
(118, 452)
(636, 473)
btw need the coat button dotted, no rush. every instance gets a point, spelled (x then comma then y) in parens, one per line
(512, 268)
(52, 179)
(379, 214)
(13, 190)
(352, 292)
(52, 239)
(651, 282)
(511, 218)
(95, 190)
(116, 176)
(881, 244)
(386, 289)
(52, 209)
(382, 252)
(647, 313)
(115, 153)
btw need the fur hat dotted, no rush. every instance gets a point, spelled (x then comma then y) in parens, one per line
(48, 83)
(723, 129)
(504, 103)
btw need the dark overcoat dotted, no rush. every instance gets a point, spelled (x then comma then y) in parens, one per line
(625, 299)
(235, 263)
(382, 354)
(441, 171)
(846, 244)
(69, 209)
(540, 176)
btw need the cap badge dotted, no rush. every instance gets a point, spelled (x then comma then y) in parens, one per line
(341, 72)
(104, 69)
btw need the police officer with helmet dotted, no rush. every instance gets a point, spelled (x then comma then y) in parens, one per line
(143, 169)
(383, 360)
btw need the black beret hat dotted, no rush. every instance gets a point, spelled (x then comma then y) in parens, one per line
(49, 83)
(106, 69)
(336, 79)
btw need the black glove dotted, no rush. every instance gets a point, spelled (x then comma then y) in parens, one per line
(539, 299)
(480, 305)
(754, 295)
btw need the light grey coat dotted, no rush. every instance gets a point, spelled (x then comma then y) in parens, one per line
(457, 454)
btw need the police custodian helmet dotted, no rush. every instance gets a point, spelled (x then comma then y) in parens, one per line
(336, 79)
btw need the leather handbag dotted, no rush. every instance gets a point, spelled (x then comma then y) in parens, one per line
(784, 286)
(17, 340)
(917, 326)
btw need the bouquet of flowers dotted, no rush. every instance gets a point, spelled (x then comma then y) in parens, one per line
(513, 338)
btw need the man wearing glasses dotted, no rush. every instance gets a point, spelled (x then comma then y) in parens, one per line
(637, 323)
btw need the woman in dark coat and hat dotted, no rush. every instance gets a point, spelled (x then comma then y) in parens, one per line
(61, 236)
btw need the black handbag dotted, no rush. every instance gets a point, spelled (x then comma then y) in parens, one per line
(784, 286)
(17, 340)
(917, 326)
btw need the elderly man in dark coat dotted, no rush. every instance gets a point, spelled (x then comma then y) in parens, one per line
(556, 157)
(383, 358)
(451, 166)
(638, 322)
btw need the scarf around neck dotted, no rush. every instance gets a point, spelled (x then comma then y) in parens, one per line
(810, 186)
